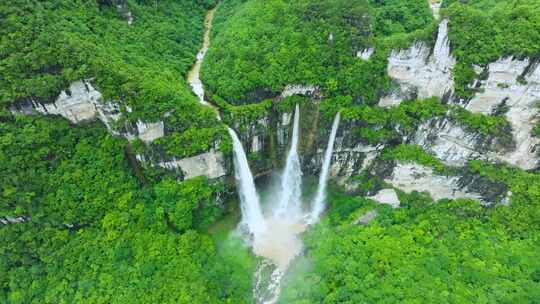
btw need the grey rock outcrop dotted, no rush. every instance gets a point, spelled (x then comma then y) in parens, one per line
(6, 220)
(82, 102)
(298, 89)
(365, 54)
(511, 84)
(516, 85)
(410, 177)
(348, 160)
(421, 73)
(367, 217)
(79, 103)
(210, 164)
(386, 196)
(450, 142)
(148, 132)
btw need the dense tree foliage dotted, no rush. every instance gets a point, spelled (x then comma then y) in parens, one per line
(90, 233)
(425, 252)
(264, 45)
(482, 31)
(46, 45)
(318, 41)
(78, 226)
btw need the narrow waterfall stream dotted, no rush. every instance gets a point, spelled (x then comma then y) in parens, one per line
(275, 237)
(318, 203)
(193, 77)
(282, 244)
(249, 199)
(289, 200)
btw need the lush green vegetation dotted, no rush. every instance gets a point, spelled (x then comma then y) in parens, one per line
(415, 154)
(260, 46)
(92, 233)
(448, 252)
(46, 45)
(93, 227)
(378, 125)
(481, 31)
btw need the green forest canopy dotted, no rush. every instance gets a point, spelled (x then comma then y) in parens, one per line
(46, 45)
(265, 45)
(93, 233)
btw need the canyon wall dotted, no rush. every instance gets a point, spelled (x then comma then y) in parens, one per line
(419, 71)
(82, 102)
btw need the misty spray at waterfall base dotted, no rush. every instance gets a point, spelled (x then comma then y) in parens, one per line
(275, 234)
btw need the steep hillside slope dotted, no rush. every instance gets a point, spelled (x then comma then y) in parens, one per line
(117, 182)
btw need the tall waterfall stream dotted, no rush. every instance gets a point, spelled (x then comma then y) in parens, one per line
(274, 236)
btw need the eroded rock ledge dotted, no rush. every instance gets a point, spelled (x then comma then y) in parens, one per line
(82, 102)
(513, 84)
(410, 176)
(421, 73)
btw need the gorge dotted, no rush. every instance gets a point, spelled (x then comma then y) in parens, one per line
(269, 151)
(273, 235)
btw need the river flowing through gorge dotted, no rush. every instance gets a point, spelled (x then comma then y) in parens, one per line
(273, 234)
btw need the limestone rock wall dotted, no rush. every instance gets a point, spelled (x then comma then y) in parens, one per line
(451, 142)
(82, 102)
(350, 155)
(210, 164)
(365, 54)
(298, 89)
(410, 177)
(421, 72)
(514, 84)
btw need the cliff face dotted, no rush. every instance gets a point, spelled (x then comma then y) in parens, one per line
(511, 83)
(82, 102)
(418, 72)
(514, 84)
(421, 71)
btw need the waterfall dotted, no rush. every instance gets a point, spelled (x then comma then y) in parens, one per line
(318, 203)
(289, 199)
(249, 199)
(279, 246)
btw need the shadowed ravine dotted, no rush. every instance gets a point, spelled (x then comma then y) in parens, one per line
(274, 236)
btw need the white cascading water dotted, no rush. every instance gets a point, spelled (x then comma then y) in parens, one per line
(194, 74)
(275, 237)
(289, 199)
(250, 206)
(320, 197)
